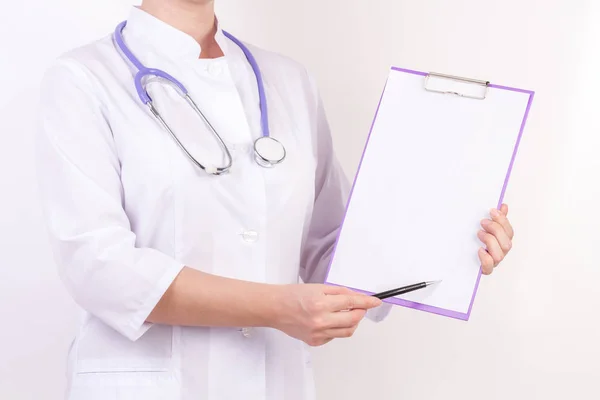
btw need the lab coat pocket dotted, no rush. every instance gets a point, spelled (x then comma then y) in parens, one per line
(125, 386)
(100, 349)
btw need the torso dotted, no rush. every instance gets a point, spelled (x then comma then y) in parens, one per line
(248, 224)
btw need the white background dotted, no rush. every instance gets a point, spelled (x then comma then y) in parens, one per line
(535, 325)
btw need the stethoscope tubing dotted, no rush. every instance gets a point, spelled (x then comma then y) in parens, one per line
(143, 72)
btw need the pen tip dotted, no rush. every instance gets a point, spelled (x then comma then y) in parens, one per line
(433, 282)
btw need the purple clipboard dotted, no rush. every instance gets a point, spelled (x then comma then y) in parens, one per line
(414, 304)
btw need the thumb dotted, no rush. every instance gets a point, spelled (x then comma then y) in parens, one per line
(504, 209)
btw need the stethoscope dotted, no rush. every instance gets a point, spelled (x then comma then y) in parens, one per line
(267, 150)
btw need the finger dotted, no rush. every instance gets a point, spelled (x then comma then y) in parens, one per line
(334, 289)
(500, 218)
(351, 302)
(341, 333)
(499, 233)
(343, 319)
(504, 209)
(492, 246)
(315, 342)
(487, 262)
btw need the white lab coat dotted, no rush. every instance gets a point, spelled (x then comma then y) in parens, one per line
(126, 210)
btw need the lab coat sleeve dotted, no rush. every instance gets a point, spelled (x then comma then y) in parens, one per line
(81, 196)
(332, 189)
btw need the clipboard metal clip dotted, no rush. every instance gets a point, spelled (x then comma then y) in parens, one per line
(454, 85)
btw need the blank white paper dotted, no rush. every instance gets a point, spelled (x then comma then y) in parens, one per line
(433, 167)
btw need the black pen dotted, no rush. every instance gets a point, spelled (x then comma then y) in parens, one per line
(405, 289)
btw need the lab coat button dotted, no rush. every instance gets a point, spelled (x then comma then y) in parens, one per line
(250, 236)
(247, 332)
(215, 69)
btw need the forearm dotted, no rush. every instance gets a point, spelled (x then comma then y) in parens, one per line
(196, 298)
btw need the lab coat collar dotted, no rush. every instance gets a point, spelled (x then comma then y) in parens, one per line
(165, 39)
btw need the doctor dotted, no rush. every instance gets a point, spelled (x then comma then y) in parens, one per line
(178, 231)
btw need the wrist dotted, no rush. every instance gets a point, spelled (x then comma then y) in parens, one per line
(274, 305)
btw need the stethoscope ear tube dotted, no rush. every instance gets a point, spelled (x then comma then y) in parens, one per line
(267, 150)
(208, 169)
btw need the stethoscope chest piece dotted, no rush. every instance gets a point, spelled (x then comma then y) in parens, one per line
(268, 151)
